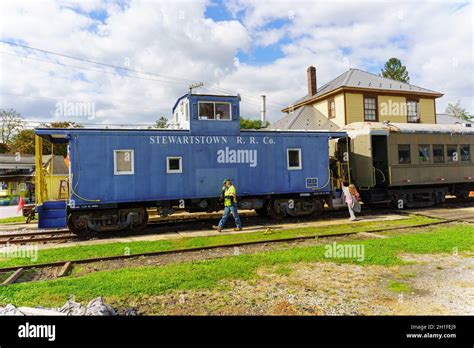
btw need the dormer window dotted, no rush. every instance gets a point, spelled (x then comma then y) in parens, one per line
(214, 111)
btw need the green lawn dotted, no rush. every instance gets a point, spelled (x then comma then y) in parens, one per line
(126, 283)
(110, 249)
(12, 219)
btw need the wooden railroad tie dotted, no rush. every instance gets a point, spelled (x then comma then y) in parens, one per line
(64, 269)
(11, 279)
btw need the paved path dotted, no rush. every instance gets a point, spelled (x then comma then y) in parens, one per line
(465, 213)
(9, 211)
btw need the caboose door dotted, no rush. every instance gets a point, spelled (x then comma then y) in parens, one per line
(361, 161)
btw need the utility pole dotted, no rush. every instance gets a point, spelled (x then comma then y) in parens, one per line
(195, 85)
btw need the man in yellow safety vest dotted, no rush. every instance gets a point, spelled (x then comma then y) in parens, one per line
(230, 206)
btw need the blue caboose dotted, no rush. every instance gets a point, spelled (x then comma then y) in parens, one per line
(115, 175)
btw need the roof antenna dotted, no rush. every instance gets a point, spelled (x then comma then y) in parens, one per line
(195, 85)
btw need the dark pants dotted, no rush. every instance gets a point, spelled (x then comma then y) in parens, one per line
(227, 211)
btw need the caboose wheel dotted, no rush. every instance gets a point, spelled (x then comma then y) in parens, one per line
(318, 208)
(142, 224)
(272, 211)
(78, 226)
(262, 211)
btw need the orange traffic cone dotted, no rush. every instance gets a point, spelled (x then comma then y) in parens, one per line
(21, 204)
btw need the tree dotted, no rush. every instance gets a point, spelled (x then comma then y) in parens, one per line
(4, 148)
(457, 111)
(23, 142)
(246, 123)
(393, 69)
(10, 123)
(162, 122)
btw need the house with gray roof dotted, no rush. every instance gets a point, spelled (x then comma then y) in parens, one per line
(358, 96)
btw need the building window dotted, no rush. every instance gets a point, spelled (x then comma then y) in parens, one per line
(123, 162)
(370, 109)
(174, 165)
(331, 108)
(438, 153)
(214, 111)
(453, 154)
(294, 159)
(413, 115)
(404, 156)
(465, 153)
(424, 153)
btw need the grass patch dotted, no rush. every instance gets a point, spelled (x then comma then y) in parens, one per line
(399, 288)
(111, 249)
(12, 219)
(126, 283)
(283, 270)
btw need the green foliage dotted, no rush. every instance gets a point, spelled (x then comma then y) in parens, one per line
(4, 148)
(246, 123)
(457, 111)
(23, 142)
(110, 249)
(151, 280)
(393, 69)
(162, 122)
(399, 287)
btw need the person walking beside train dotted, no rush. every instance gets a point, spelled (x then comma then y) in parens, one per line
(230, 206)
(351, 197)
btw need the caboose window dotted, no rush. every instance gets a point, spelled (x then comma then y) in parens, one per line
(124, 162)
(174, 165)
(423, 153)
(438, 153)
(404, 156)
(214, 111)
(465, 153)
(294, 159)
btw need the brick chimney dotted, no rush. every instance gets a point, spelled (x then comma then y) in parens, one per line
(311, 80)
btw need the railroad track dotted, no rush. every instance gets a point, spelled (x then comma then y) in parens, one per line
(195, 222)
(66, 265)
(36, 237)
(178, 223)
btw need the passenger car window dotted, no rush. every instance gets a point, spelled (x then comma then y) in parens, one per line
(438, 153)
(294, 159)
(453, 155)
(404, 156)
(123, 162)
(465, 153)
(424, 153)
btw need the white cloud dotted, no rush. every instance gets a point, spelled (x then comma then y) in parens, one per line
(434, 39)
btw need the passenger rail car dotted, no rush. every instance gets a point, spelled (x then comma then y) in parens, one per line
(410, 165)
(115, 175)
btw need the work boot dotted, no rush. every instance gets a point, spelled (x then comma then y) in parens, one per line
(218, 228)
(238, 229)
